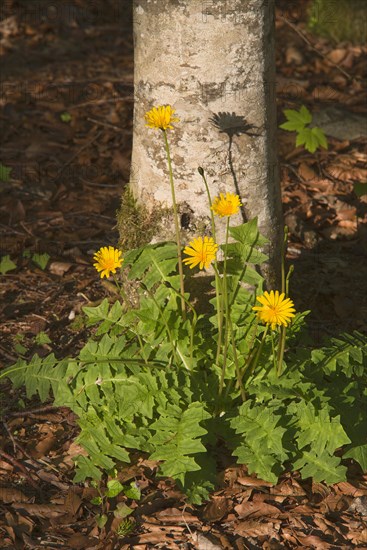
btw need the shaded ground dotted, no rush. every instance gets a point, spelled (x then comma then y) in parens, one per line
(66, 117)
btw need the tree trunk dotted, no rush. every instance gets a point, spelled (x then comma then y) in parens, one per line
(212, 61)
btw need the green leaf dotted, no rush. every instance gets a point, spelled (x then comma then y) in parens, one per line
(320, 136)
(97, 501)
(41, 260)
(360, 188)
(176, 437)
(114, 488)
(307, 138)
(261, 447)
(257, 462)
(42, 338)
(65, 117)
(296, 120)
(359, 454)
(122, 510)
(153, 264)
(20, 349)
(101, 520)
(86, 469)
(318, 430)
(4, 173)
(322, 467)
(6, 265)
(133, 491)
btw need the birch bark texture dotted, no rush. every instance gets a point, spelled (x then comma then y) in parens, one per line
(213, 62)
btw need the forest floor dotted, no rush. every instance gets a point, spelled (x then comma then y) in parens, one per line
(66, 116)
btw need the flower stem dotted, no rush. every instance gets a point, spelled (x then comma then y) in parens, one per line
(120, 289)
(274, 354)
(235, 358)
(257, 357)
(283, 251)
(175, 215)
(216, 271)
(226, 309)
(283, 330)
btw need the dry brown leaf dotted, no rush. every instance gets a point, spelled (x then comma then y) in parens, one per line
(10, 494)
(293, 56)
(41, 510)
(312, 541)
(255, 528)
(45, 445)
(59, 268)
(249, 481)
(216, 509)
(174, 515)
(204, 543)
(81, 542)
(306, 172)
(73, 502)
(337, 55)
(256, 510)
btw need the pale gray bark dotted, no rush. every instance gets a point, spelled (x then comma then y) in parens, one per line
(213, 61)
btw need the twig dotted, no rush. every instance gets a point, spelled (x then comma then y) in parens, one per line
(73, 157)
(20, 467)
(108, 125)
(101, 101)
(37, 410)
(305, 39)
(11, 437)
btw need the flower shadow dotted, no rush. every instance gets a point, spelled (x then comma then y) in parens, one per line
(233, 125)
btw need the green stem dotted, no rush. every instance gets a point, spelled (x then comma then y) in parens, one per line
(283, 251)
(273, 349)
(218, 285)
(177, 227)
(257, 357)
(227, 312)
(162, 317)
(235, 358)
(290, 271)
(142, 348)
(219, 294)
(285, 289)
(120, 289)
(194, 321)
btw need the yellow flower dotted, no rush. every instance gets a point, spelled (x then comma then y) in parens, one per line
(202, 252)
(226, 205)
(161, 117)
(108, 259)
(276, 309)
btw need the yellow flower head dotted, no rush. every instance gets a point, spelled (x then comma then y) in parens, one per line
(108, 259)
(161, 117)
(201, 251)
(226, 205)
(275, 310)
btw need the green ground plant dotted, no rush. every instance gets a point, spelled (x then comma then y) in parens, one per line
(311, 137)
(182, 387)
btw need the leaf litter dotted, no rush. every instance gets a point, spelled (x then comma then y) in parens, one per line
(59, 198)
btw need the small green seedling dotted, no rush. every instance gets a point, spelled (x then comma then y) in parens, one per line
(18, 340)
(4, 173)
(360, 188)
(41, 260)
(298, 121)
(42, 338)
(122, 510)
(65, 117)
(6, 265)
